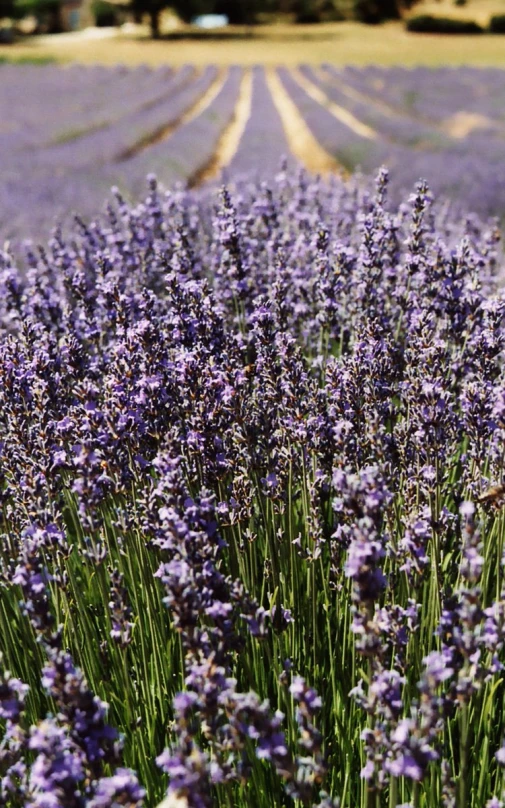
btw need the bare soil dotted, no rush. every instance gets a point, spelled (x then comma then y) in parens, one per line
(230, 139)
(164, 132)
(340, 113)
(464, 123)
(335, 43)
(301, 141)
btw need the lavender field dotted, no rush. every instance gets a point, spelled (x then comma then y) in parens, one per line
(252, 438)
(80, 131)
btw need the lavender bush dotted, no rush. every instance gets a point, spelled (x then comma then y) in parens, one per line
(252, 545)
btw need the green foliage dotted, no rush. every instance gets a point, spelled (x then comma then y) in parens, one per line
(187, 9)
(367, 11)
(497, 24)
(239, 12)
(307, 11)
(6, 8)
(309, 17)
(36, 7)
(315, 11)
(428, 24)
(373, 12)
(105, 14)
(47, 13)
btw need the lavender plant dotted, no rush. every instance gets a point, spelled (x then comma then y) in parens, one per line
(251, 458)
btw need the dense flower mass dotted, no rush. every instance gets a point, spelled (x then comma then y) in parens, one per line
(251, 465)
(74, 133)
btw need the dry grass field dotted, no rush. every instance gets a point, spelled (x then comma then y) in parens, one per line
(338, 43)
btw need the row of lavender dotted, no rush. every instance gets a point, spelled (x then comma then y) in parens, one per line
(249, 549)
(429, 93)
(64, 149)
(446, 126)
(68, 135)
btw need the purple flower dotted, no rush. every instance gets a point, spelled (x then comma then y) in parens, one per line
(12, 698)
(121, 789)
(438, 666)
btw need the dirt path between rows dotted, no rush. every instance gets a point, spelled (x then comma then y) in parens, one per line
(340, 113)
(230, 138)
(464, 123)
(386, 108)
(355, 95)
(302, 143)
(164, 132)
(457, 126)
(109, 123)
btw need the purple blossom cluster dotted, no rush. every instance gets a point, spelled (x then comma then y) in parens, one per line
(251, 458)
(60, 761)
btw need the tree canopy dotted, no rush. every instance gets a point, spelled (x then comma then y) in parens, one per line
(239, 12)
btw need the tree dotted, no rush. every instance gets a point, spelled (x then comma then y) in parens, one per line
(307, 11)
(6, 8)
(375, 11)
(186, 9)
(46, 12)
(317, 10)
(239, 12)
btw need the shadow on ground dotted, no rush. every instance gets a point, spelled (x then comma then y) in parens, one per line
(248, 34)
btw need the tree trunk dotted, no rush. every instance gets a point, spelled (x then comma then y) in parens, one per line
(155, 24)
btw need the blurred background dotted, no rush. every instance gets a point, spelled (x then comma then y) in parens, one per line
(96, 94)
(343, 31)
